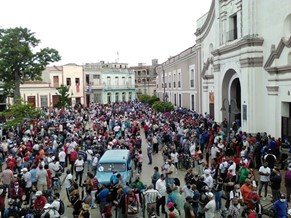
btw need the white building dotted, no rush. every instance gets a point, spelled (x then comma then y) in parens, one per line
(44, 93)
(245, 53)
(109, 82)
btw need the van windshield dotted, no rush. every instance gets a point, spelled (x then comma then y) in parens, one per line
(109, 167)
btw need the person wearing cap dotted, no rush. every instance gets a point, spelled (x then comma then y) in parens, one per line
(172, 211)
(28, 184)
(39, 201)
(209, 208)
(49, 210)
(287, 179)
(188, 209)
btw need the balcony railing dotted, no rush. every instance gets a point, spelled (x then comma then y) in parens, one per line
(231, 35)
(108, 87)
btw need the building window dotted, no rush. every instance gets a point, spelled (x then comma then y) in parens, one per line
(232, 33)
(179, 84)
(68, 81)
(192, 78)
(96, 76)
(169, 85)
(43, 101)
(56, 81)
(192, 103)
(77, 81)
(180, 100)
(116, 97)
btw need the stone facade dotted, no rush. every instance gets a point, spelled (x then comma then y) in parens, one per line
(109, 82)
(178, 81)
(245, 62)
(145, 78)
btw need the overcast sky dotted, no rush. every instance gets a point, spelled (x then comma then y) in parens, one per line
(85, 31)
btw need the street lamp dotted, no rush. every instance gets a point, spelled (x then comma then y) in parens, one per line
(230, 109)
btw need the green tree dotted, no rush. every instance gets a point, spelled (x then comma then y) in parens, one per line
(17, 113)
(63, 93)
(161, 106)
(19, 60)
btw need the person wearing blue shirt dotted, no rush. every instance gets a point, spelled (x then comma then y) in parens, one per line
(33, 172)
(281, 207)
(102, 197)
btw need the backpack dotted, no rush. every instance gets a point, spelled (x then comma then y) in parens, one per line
(62, 207)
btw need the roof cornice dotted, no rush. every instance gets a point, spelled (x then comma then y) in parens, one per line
(275, 54)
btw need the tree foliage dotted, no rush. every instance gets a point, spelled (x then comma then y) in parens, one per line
(161, 106)
(63, 93)
(17, 113)
(147, 99)
(19, 60)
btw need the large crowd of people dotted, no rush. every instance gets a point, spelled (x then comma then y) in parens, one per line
(227, 173)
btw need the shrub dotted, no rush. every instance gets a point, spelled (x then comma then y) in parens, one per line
(161, 106)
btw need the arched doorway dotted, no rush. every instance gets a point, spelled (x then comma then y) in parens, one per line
(231, 97)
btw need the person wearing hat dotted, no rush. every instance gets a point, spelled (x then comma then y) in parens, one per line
(85, 211)
(172, 211)
(50, 211)
(287, 179)
(210, 207)
(39, 202)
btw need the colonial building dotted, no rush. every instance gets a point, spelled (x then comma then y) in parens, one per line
(145, 78)
(109, 82)
(44, 93)
(245, 63)
(178, 81)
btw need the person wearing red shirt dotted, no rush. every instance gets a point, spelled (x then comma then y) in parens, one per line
(39, 201)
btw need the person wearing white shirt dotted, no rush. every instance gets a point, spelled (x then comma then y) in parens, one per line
(62, 158)
(214, 151)
(79, 168)
(210, 206)
(95, 163)
(192, 149)
(89, 153)
(208, 178)
(174, 158)
(232, 169)
(28, 183)
(55, 167)
(56, 203)
(264, 172)
(67, 182)
(162, 189)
